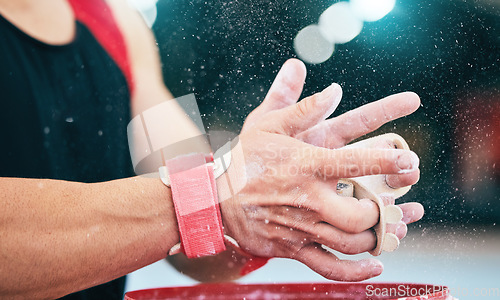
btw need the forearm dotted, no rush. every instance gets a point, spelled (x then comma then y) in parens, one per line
(59, 237)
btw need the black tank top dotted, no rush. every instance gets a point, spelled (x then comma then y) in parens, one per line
(64, 110)
(64, 115)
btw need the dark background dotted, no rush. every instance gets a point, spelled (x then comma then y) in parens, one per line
(448, 52)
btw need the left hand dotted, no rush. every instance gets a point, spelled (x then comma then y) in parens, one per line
(286, 91)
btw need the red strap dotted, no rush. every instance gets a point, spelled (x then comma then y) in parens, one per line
(196, 205)
(98, 18)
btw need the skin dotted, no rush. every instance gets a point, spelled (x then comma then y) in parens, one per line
(339, 131)
(281, 98)
(59, 237)
(333, 133)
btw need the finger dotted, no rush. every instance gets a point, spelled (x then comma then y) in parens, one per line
(287, 86)
(284, 239)
(347, 213)
(400, 229)
(331, 267)
(344, 242)
(308, 223)
(396, 181)
(402, 180)
(399, 180)
(349, 163)
(310, 111)
(412, 212)
(285, 90)
(360, 121)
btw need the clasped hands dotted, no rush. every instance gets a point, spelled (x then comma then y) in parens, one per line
(278, 197)
(290, 163)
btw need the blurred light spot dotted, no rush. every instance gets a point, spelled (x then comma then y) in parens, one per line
(311, 46)
(372, 10)
(339, 24)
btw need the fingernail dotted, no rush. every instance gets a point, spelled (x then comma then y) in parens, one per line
(328, 93)
(408, 216)
(400, 230)
(407, 162)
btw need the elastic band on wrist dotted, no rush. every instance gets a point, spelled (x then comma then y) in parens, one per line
(196, 205)
(196, 202)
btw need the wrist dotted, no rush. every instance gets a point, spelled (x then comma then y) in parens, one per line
(167, 213)
(228, 185)
(225, 199)
(194, 194)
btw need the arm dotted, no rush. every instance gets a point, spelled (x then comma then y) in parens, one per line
(284, 92)
(150, 89)
(59, 237)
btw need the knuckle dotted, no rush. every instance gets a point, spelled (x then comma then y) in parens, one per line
(292, 247)
(302, 109)
(344, 273)
(348, 247)
(387, 117)
(336, 273)
(383, 162)
(294, 250)
(330, 273)
(343, 246)
(365, 121)
(302, 225)
(299, 201)
(277, 96)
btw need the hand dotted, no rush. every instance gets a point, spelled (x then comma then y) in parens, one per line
(283, 201)
(339, 131)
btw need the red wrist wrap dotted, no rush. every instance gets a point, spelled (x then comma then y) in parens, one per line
(194, 194)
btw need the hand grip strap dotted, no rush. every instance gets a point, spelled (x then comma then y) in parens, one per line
(194, 194)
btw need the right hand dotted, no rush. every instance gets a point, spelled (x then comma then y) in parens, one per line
(278, 197)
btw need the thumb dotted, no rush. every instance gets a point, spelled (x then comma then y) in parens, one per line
(307, 113)
(285, 90)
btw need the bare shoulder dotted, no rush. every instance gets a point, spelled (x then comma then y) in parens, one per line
(128, 19)
(142, 49)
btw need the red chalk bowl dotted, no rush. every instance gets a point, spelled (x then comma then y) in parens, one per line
(407, 291)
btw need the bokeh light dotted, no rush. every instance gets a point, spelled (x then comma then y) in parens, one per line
(339, 24)
(372, 10)
(311, 46)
